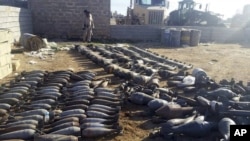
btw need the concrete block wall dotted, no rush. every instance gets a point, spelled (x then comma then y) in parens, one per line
(227, 35)
(135, 32)
(17, 20)
(64, 18)
(5, 56)
(208, 34)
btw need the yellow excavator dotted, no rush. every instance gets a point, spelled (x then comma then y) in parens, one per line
(189, 13)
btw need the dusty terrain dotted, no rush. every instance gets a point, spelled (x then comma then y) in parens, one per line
(220, 61)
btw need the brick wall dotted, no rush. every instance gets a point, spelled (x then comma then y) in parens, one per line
(64, 18)
(17, 20)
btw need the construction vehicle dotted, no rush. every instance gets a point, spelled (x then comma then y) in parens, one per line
(189, 13)
(147, 12)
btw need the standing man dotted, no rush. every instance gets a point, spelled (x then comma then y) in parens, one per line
(88, 26)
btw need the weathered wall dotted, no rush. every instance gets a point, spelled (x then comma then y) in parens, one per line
(15, 3)
(18, 20)
(208, 34)
(64, 18)
(135, 32)
(220, 34)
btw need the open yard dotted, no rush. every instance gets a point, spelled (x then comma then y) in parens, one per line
(220, 61)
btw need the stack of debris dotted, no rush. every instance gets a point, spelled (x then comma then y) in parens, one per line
(5, 56)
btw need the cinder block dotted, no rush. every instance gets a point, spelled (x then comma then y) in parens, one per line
(5, 70)
(5, 59)
(15, 64)
(5, 47)
(3, 35)
(6, 35)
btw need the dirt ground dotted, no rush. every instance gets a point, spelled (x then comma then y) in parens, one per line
(220, 61)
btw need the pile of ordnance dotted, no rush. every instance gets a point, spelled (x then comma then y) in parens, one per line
(59, 105)
(67, 105)
(191, 105)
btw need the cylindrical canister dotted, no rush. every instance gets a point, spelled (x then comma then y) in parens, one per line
(195, 36)
(175, 36)
(185, 37)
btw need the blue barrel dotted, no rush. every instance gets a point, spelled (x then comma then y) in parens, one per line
(165, 37)
(175, 36)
